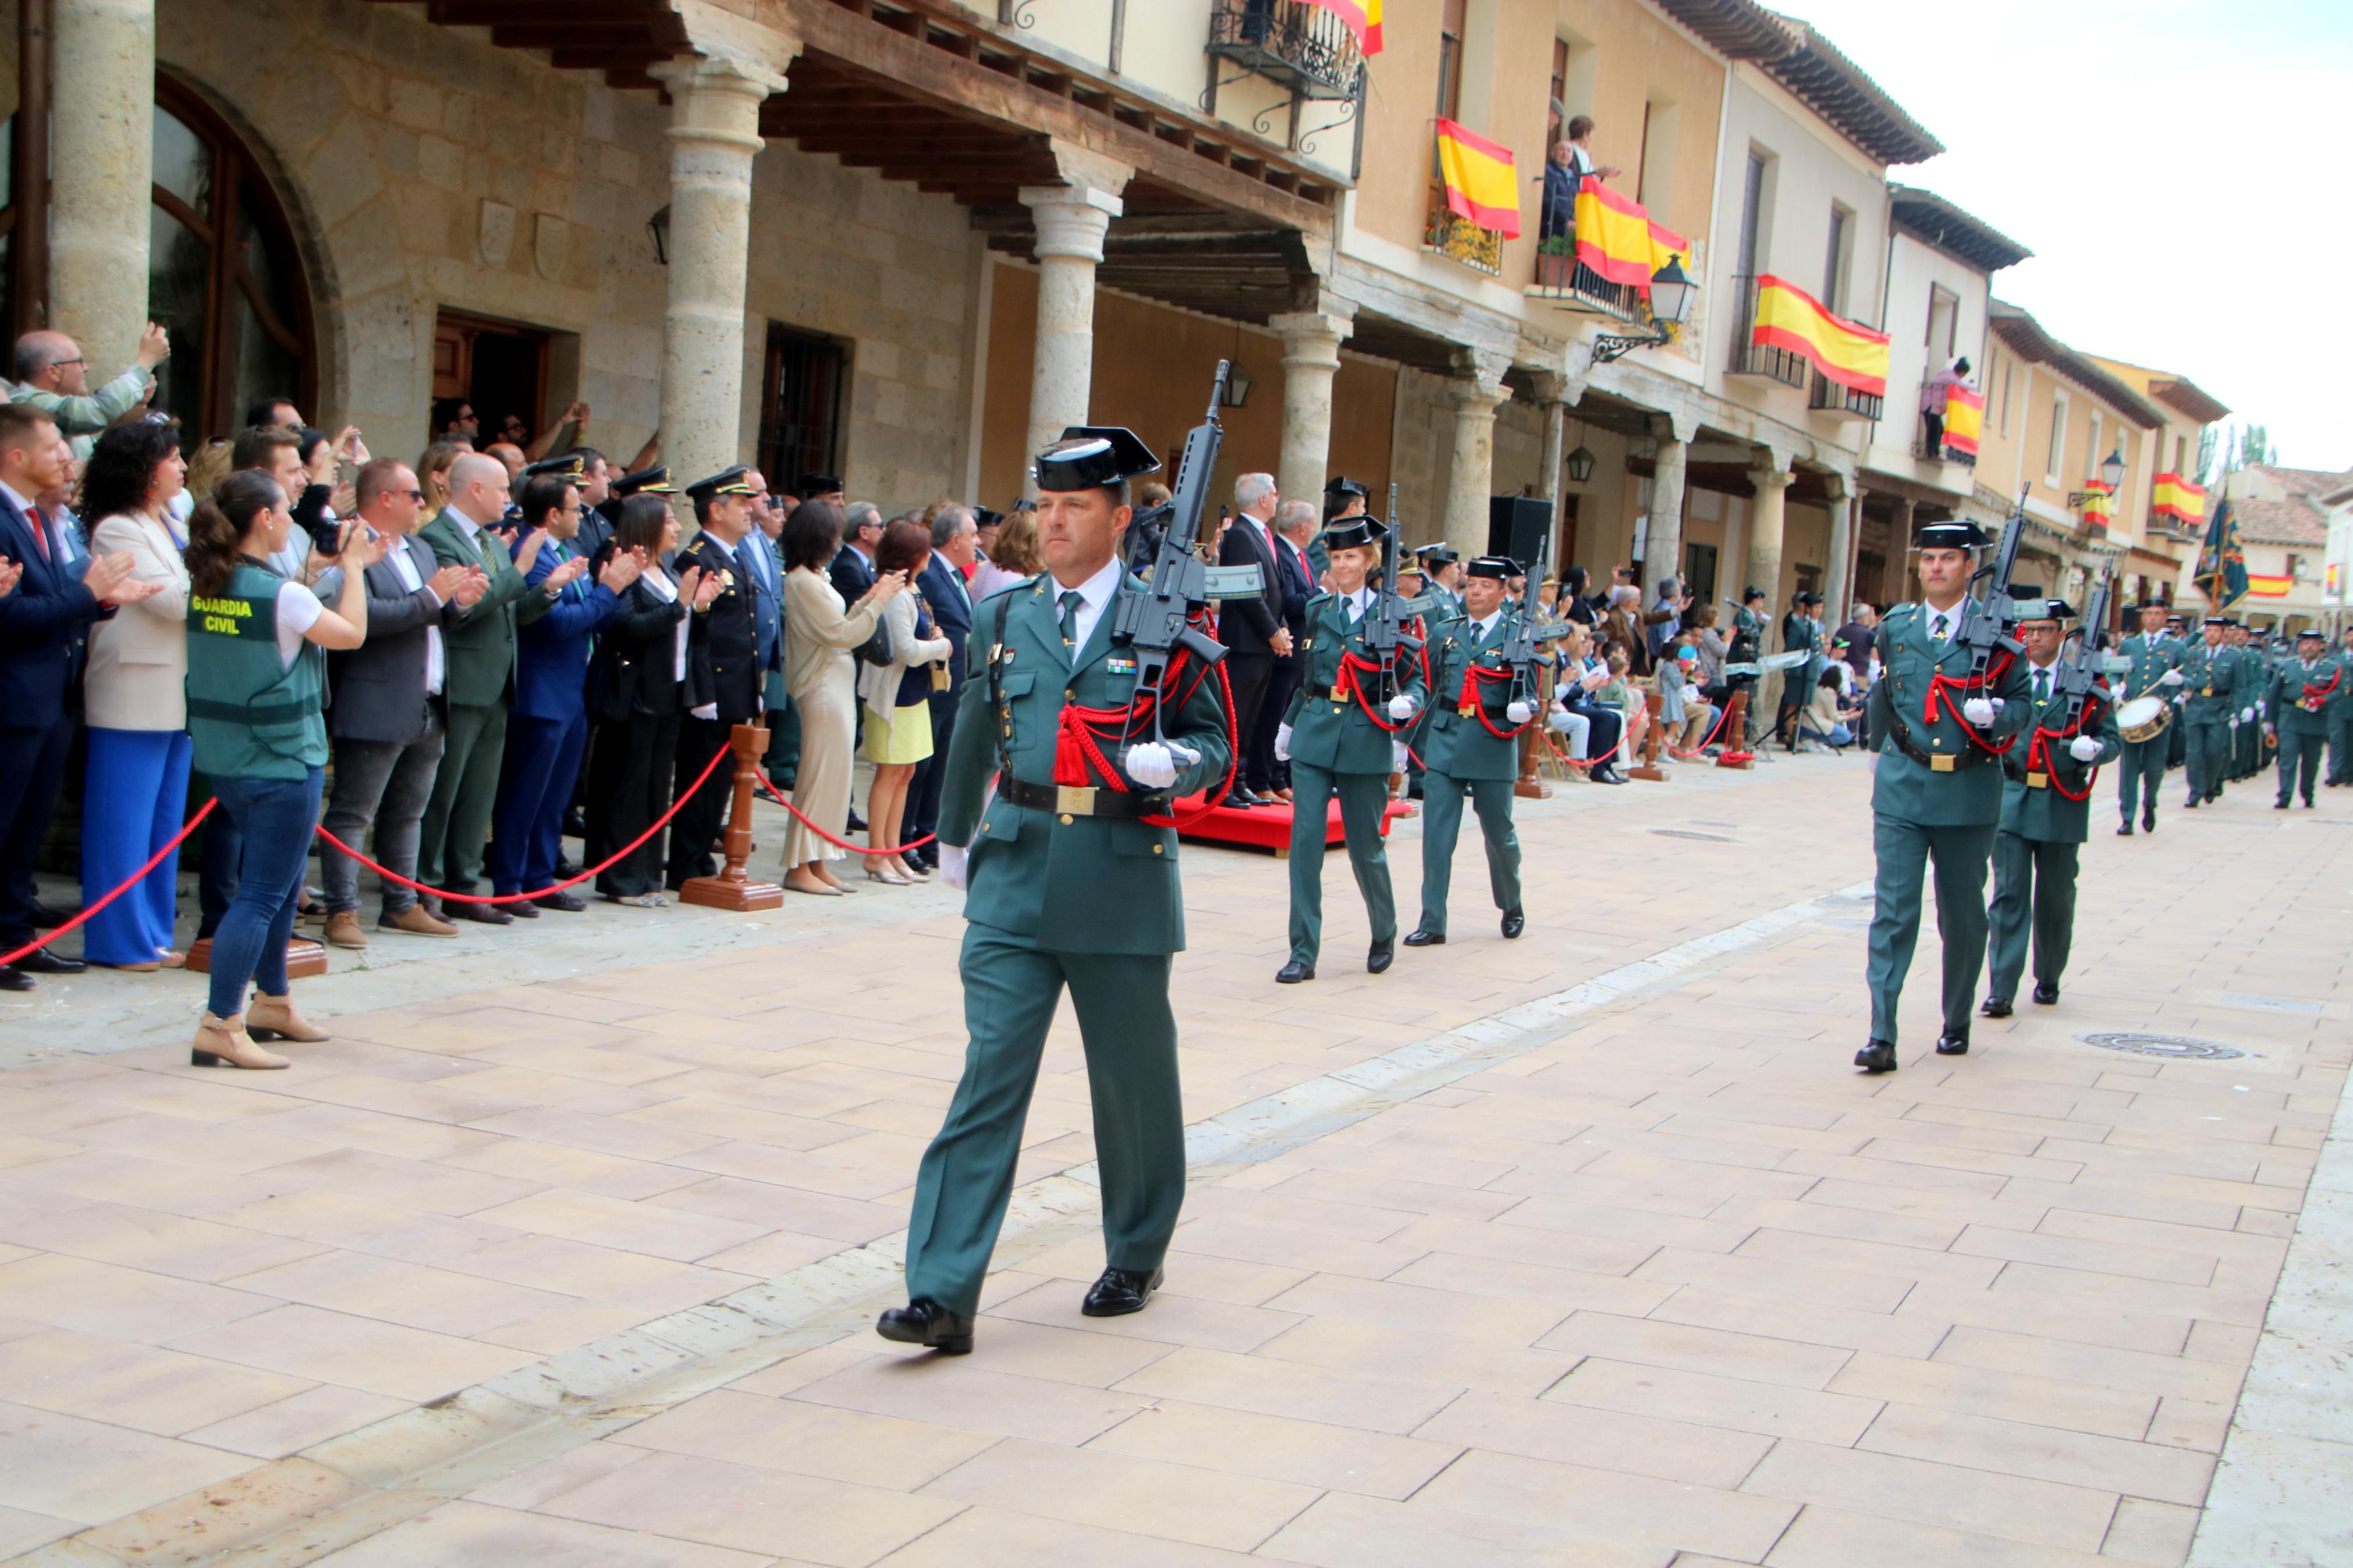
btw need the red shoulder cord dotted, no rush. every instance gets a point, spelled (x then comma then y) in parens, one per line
(2038, 751)
(1356, 664)
(1943, 686)
(1081, 733)
(1481, 676)
(2321, 693)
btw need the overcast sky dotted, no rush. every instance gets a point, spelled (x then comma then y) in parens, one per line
(2181, 171)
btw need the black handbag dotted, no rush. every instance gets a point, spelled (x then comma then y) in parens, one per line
(877, 649)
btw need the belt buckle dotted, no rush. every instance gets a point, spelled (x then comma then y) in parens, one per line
(2037, 781)
(1074, 800)
(1942, 763)
(1339, 694)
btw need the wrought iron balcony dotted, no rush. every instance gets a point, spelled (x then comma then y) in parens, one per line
(1305, 48)
(1563, 280)
(1460, 240)
(1843, 401)
(1747, 359)
(1928, 452)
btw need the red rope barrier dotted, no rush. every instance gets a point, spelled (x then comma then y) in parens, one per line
(137, 877)
(778, 796)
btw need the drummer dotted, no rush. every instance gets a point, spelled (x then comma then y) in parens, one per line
(2147, 711)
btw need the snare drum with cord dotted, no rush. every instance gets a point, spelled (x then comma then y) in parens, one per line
(2144, 718)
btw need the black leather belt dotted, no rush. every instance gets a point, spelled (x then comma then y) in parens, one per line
(1078, 800)
(1936, 762)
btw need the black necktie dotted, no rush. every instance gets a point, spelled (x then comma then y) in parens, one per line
(2042, 686)
(1070, 601)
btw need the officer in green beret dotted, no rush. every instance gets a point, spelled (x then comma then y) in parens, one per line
(1072, 884)
(2046, 816)
(1936, 720)
(2156, 656)
(1470, 742)
(2220, 689)
(1340, 738)
(2302, 689)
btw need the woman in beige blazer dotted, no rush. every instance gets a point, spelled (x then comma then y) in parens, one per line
(821, 676)
(135, 700)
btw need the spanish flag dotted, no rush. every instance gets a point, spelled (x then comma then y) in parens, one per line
(2099, 503)
(1481, 185)
(2174, 496)
(1364, 19)
(2264, 587)
(1789, 318)
(1963, 420)
(1616, 239)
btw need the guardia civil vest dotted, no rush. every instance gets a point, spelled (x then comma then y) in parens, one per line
(252, 717)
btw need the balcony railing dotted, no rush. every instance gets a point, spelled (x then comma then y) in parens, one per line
(1566, 282)
(1843, 401)
(1936, 452)
(1460, 240)
(1307, 49)
(1747, 359)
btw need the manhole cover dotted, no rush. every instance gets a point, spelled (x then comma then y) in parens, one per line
(2179, 1047)
(1687, 833)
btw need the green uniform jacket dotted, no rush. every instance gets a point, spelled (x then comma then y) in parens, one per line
(1909, 791)
(2042, 812)
(2150, 661)
(2286, 710)
(2220, 681)
(1455, 743)
(479, 649)
(1075, 884)
(1337, 736)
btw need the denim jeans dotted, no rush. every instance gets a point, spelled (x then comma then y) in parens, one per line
(275, 817)
(386, 784)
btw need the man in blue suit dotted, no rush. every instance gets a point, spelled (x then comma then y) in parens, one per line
(765, 569)
(44, 622)
(547, 727)
(955, 544)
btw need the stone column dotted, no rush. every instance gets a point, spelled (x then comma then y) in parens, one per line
(1846, 504)
(1552, 400)
(1310, 358)
(1663, 546)
(1896, 585)
(102, 55)
(1472, 477)
(1765, 515)
(715, 133)
(1072, 219)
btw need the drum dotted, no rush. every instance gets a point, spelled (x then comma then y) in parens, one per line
(2144, 718)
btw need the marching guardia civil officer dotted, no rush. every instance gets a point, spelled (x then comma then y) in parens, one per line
(2302, 689)
(1069, 887)
(2222, 688)
(2046, 816)
(1937, 724)
(1339, 738)
(2156, 655)
(2248, 740)
(1470, 744)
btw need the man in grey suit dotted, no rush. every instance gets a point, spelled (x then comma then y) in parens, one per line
(387, 721)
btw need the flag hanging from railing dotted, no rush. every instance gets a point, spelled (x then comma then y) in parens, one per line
(1364, 19)
(2222, 573)
(1481, 187)
(2261, 587)
(1790, 318)
(2173, 496)
(1963, 420)
(2099, 504)
(1617, 240)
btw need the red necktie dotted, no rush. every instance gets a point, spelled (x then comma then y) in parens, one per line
(40, 527)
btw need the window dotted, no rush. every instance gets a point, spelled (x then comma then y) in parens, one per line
(800, 406)
(1942, 309)
(2092, 449)
(1450, 58)
(1751, 214)
(2180, 447)
(1834, 266)
(1655, 181)
(1559, 116)
(2008, 375)
(2054, 459)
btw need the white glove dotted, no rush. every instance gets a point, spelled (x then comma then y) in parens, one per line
(708, 710)
(953, 864)
(2086, 748)
(2182, 701)
(1150, 765)
(2246, 715)
(1282, 743)
(1401, 706)
(1562, 721)
(1978, 711)
(1518, 712)
(2170, 677)
(1396, 756)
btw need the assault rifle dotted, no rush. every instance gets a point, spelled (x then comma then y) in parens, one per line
(2078, 675)
(1521, 634)
(1156, 620)
(1988, 626)
(1385, 631)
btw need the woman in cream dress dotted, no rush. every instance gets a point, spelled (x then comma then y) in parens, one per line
(821, 676)
(897, 698)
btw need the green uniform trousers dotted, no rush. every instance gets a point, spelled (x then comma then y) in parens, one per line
(1904, 850)
(2340, 744)
(2033, 883)
(2140, 770)
(2176, 752)
(1442, 824)
(2299, 762)
(2209, 755)
(1010, 989)
(1363, 798)
(2246, 751)
(465, 791)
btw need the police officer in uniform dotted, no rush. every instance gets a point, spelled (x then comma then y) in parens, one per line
(1936, 724)
(1339, 738)
(1748, 646)
(2247, 738)
(2219, 684)
(2046, 816)
(1343, 498)
(2303, 688)
(1070, 885)
(2156, 656)
(596, 527)
(1472, 740)
(2340, 723)
(1442, 569)
(2177, 755)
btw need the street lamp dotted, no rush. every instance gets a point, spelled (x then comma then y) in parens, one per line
(2113, 470)
(1580, 464)
(1672, 293)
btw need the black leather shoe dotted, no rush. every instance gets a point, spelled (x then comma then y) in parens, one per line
(1515, 923)
(1294, 971)
(925, 1322)
(2046, 996)
(41, 961)
(469, 909)
(525, 911)
(575, 825)
(1238, 801)
(857, 823)
(1995, 1006)
(1608, 775)
(2148, 823)
(1953, 1043)
(1119, 1292)
(1879, 1055)
(15, 979)
(1383, 954)
(569, 902)
(2126, 831)
(564, 869)
(1419, 937)
(2281, 804)
(2191, 804)
(48, 919)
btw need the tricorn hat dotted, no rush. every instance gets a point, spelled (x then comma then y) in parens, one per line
(809, 485)
(1340, 485)
(1350, 533)
(1957, 533)
(1091, 456)
(1501, 568)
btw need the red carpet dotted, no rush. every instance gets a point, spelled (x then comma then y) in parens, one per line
(1266, 826)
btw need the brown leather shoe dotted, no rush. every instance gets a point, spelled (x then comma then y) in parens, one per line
(223, 1042)
(343, 930)
(416, 922)
(271, 1018)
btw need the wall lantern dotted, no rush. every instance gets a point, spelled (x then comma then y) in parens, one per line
(1580, 464)
(1238, 385)
(1672, 293)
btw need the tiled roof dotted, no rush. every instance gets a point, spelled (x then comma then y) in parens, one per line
(1936, 221)
(2027, 339)
(2301, 517)
(1809, 66)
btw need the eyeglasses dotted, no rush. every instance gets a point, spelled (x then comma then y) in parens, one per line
(414, 495)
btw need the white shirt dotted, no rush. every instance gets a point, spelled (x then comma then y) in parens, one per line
(405, 569)
(1357, 604)
(658, 584)
(1487, 625)
(2044, 674)
(1094, 597)
(298, 610)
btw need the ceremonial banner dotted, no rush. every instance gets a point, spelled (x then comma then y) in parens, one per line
(1790, 318)
(1963, 420)
(1617, 240)
(2173, 496)
(1481, 184)
(2099, 504)
(2222, 572)
(1364, 19)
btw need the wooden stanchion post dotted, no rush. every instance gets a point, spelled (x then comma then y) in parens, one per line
(1529, 786)
(1736, 752)
(1648, 769)
(732, 889)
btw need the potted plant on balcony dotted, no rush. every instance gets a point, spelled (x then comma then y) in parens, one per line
(1556, 261)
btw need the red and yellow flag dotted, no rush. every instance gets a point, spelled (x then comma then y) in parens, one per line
(2099, 503)
(1480, 183)
(1789, 318)
(2173, 496)
(1364, 19)
(1963, 420)
(1616, 238)
(2264, 587)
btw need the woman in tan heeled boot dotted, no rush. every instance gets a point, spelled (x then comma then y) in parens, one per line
(223, 1042)
(274, 1018)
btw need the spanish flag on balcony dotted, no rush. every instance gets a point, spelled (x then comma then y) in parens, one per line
(1963, 420)
(1790, 318)
(2176, 496)
(1364, 19)
(1616, 239)
(2262, 587)
(1481, 184)
(2099, 504)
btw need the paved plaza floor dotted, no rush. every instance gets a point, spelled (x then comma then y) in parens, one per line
(1589, 1248)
